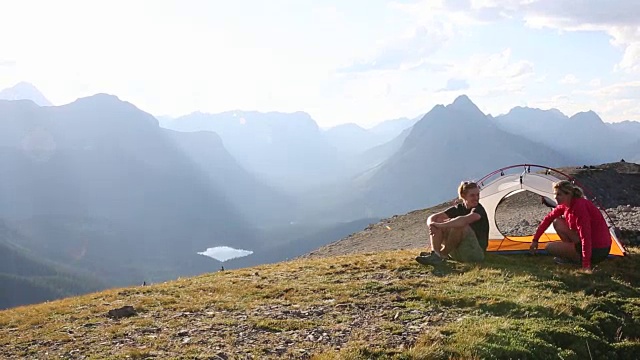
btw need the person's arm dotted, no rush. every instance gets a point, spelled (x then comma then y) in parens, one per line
(552, 215)
(438, 217)
(584, 231)
(443, 216)
(460, 221)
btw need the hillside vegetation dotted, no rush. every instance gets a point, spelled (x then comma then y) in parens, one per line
(364, 306)
(25, 279)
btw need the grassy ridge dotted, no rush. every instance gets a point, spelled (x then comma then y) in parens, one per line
(366, 306)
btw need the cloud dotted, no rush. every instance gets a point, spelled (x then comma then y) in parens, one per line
(494, 66)
(629, 90)
(500, 90)
(554, 13)
(520, 69)
(405, 53)
(388, 90)
(329, 14)
(569, 79)
(454, 84)
(614, 102)
(462, 12)
(7, 63)
(541, 79)
(493, 75)
(631, 59)
(575, 13)
(618, 18)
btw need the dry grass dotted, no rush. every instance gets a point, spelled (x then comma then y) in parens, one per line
(364, 306)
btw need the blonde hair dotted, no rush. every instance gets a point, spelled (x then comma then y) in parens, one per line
(464, 186)
(567, 187)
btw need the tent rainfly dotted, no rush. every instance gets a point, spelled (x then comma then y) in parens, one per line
(497, 186)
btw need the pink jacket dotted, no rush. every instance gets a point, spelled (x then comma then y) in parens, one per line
(585, 218)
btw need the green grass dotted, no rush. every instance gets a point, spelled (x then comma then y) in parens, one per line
(369, 306)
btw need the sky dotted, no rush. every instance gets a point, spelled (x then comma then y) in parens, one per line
(359, 61)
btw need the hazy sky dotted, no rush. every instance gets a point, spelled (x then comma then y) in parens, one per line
(360, 61)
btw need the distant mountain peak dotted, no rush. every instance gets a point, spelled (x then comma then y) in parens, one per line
(463, 104)
(25, 91)
(100, 99)
(587, 116)
(463, 100)
(107, 105)
(519, 110)
(108, 97)
(557, 112)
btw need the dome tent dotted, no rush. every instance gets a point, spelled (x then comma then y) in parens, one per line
(497, 186)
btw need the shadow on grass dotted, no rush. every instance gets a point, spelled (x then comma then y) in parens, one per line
(613, 276)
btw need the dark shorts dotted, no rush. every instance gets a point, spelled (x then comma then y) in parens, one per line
(597, 254)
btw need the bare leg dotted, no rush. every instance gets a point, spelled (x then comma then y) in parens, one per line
(436, 236)
(454, 237)
(564, 250)
(566, 235)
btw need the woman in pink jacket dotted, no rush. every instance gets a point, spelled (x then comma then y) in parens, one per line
(580, 225)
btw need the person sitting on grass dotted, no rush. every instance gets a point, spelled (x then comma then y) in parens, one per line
(461, 232)
(580, 225)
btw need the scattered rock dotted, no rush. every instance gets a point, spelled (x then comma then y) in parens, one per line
(150, 330)
(125, 311)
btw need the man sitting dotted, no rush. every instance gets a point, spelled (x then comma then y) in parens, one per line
(461, 232)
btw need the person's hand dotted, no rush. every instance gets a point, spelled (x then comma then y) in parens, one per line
(432, 228)
(533, 248)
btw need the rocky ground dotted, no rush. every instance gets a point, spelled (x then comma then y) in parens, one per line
(615, 186)
(362, 306)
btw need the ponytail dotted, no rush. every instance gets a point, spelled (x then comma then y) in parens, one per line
(577, 192)
(568, 188)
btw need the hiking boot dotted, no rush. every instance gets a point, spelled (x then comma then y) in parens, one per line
(426, 253)
(432, 259)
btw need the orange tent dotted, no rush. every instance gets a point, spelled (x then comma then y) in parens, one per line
(497, 186)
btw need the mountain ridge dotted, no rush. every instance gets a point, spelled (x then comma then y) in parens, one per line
(25, 91)
(102, 168)
(450, 143)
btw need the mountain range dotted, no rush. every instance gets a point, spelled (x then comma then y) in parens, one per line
(99, 186)
(289, 150)
(583, 136)
(449, 144)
